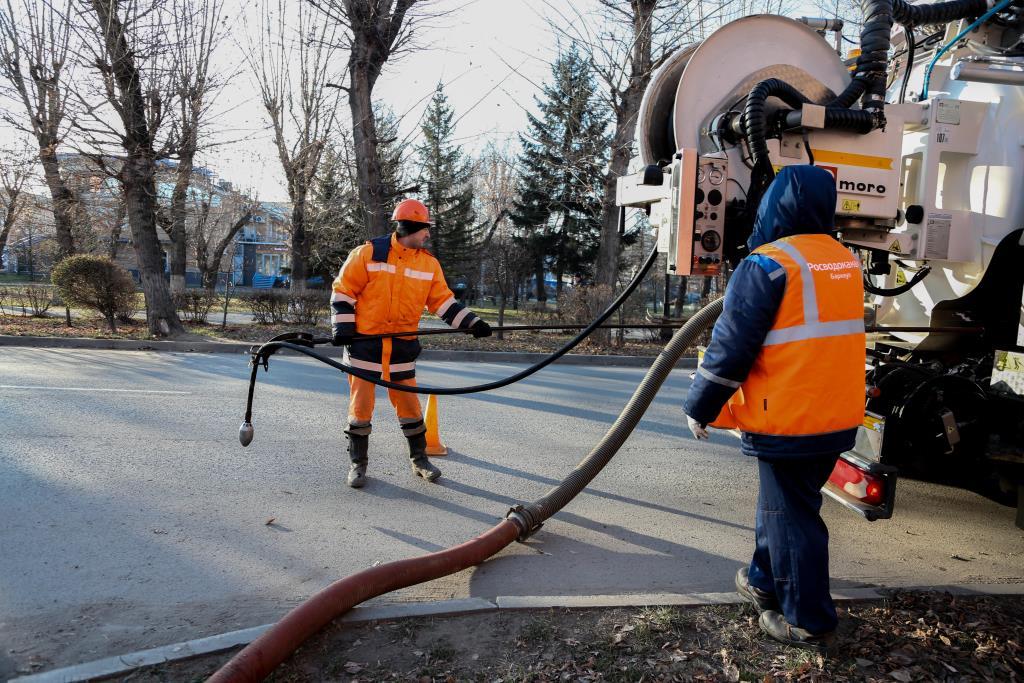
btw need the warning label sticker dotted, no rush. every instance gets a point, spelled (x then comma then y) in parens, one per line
(895, 247)
(851, 205)
(1008, 372)
(947, 111)
(901, 277)
(936, 244)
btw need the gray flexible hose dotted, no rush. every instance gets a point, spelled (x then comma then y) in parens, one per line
(532, 515)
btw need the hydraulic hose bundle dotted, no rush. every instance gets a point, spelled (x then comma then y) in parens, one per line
(868, 82)
(260, 657)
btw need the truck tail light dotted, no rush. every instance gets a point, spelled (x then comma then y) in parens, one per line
(858, 483)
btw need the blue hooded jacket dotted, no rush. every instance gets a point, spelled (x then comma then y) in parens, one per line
(800, 201)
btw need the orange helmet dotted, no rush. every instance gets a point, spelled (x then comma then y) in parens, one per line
(411, 210)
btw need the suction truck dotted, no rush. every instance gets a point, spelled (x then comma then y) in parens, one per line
(923, 134)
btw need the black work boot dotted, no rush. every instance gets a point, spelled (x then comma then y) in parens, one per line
(421, 465)
(358, 448)
(776, 626)
(760, 599)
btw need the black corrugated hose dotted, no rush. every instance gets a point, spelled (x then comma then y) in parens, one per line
(304, 346)
(532, 515)
(937, 13)
(869, 82)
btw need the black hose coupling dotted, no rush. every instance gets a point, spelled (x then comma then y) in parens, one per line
(525, 520)
(261, 354)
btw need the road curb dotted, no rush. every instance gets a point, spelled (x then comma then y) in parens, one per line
(122, 664)
(243, 348)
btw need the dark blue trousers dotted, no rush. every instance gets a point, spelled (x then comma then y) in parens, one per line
(791, 547)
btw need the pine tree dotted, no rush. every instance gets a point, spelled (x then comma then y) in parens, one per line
(564, 152)
(445, 180)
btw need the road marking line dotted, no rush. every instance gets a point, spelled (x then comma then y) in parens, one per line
(113, 391)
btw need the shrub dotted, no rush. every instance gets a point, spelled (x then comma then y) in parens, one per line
(34, 300)
(130, 308)
(95, 282)
(307, 308)
(194, 305)
(582, 304)
(268, 307)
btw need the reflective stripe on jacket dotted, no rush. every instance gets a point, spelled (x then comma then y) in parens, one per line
(384, 287)
(808, 379)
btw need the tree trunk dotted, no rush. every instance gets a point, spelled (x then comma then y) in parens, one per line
(64, 201)
(178, 214)
(140, 199)
(542, 295)
(115, 229)
(680, 297)
(299, 245)
(9, 218)
(208, 278)
(364, 136)
(626, 111)
(138, 170)
(501, 313)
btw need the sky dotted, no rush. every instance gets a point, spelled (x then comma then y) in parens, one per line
(492, 56)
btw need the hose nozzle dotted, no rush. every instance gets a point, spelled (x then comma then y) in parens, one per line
(245, 433)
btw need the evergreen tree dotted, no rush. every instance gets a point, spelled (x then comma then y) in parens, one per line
(337, 218)
(446, 187)
(564, 152)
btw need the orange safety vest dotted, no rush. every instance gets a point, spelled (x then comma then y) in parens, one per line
(808, 378)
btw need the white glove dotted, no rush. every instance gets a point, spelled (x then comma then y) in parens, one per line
(699, 432)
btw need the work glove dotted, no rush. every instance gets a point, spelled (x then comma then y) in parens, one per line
(341, 339)
(698, 429)
(480, 329)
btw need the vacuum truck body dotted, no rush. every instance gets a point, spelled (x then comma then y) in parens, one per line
(929, 172)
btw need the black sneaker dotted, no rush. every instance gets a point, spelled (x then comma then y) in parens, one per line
(776, 626)
(760, 599)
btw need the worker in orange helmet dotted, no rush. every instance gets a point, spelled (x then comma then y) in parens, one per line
(383, 287)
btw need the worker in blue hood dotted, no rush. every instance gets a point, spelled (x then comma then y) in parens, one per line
(786, 367)
(801, 200)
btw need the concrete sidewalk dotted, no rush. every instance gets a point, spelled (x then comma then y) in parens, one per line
(330, 351)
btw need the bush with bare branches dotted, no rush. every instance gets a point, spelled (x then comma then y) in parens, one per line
(194, 305)
(34, 300)
(268, 308)
(307, 308)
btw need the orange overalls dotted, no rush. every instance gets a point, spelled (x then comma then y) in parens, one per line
(384, 287)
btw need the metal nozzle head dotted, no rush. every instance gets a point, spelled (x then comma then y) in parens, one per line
(245, 433)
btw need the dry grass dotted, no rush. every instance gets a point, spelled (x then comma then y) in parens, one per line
(913, 636)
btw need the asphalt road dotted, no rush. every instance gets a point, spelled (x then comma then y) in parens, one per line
(130, 517)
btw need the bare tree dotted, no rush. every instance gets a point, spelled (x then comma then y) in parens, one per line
(503, 261)
(215, 224)
(127, 41)
(293, 67)
(198, 38)
(374, 31)
(15, 170)
(37, 64)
